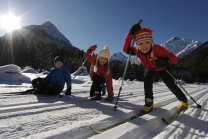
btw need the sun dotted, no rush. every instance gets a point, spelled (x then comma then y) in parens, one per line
(9, 22)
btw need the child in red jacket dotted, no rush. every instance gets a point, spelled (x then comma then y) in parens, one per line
(155, 59)
(100, 73)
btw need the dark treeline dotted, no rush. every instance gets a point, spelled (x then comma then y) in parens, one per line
(40, 55)
(194, 67)
(133, 71)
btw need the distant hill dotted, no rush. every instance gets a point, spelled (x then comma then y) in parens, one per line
(196, 61)
(197, 58)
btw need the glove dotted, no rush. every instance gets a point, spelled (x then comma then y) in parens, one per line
(162, 62)
(134, 28)
(68, 91)
(92, 48)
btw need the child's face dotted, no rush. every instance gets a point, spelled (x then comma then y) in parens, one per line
(58, 64)
(144, 46)
(102, 60)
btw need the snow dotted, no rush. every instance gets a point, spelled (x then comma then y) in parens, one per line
(38, 116)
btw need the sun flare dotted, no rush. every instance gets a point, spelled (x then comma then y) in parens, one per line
(9, 22)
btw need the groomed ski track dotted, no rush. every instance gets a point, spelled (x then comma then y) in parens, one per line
(58, 124)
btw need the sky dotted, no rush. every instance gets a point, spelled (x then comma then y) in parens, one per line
(70, 117)
(88, 22)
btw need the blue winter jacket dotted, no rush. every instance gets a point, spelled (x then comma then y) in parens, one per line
(58, 77)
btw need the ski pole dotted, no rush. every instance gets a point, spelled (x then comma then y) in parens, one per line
(62, 94)
(198, 106)
(83, 63)
(127, 61)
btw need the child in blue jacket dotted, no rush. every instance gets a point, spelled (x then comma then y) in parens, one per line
(53, 83)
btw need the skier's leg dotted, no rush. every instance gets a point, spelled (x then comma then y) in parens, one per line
(98, 82)
(171, 84)
(38, 86)
(148, 84)
(104, 90)
(92, 90)
(148, 81)
(50, 90)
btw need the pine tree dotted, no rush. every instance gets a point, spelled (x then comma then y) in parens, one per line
(42, 56)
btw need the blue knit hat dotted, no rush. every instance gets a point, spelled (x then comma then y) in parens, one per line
(59, 58)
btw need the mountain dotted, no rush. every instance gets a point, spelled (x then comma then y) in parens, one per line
(181, 47)
(193, 67)
(118, 56)
(47, 32)
(197, 60)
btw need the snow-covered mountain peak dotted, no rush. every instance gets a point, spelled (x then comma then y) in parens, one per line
(47, 29)
(118, 56)
(181, 46)
(49, 26)
(175, 38)
(48, 23)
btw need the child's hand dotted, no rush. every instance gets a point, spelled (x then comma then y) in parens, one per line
(152, 57)
(162, 62)
(92, 48)
(135, 28)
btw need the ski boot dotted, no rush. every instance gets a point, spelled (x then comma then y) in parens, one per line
(183, 106)
(97, 96)
(148, 107)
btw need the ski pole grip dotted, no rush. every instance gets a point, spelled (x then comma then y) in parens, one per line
(140, 21)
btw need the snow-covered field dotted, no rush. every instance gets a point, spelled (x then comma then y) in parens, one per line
(39, 116)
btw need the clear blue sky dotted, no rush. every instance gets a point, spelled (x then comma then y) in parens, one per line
(106, 22)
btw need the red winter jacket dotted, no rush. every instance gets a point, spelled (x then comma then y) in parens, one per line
(108, 78)
(157, 51)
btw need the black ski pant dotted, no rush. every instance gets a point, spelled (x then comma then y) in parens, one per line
(97, 84)
(44, 88)
(167, 79)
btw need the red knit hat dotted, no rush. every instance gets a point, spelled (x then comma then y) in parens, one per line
(143, 34)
